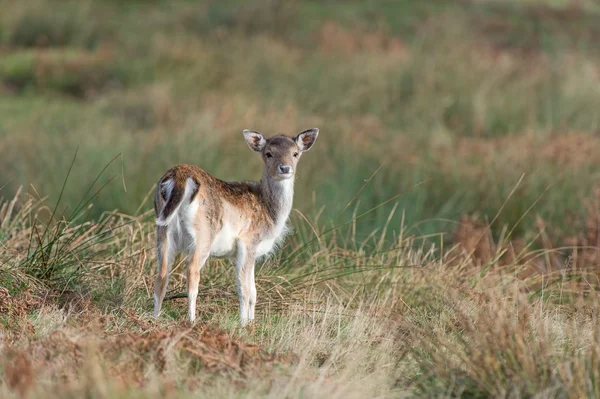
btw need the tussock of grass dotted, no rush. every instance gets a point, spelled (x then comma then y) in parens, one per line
(33, 24)
(75, 73)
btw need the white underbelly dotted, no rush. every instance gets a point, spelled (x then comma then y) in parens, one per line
(270, 243)
(265, 246)
(224, 242)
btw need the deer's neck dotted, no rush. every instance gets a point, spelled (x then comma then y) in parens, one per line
(278, 196)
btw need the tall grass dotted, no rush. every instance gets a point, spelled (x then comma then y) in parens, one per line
(377, 317)
(441, 100)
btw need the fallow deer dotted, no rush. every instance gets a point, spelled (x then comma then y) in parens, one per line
(201, 216)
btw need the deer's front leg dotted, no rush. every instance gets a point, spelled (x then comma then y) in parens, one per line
(252, 301)
(245, 270)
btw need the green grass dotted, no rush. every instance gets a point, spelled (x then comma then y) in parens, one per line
(73, 73)
(200, 73)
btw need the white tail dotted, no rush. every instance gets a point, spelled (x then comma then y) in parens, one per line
(168, 185)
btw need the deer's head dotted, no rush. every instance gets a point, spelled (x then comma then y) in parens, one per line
(281, 153)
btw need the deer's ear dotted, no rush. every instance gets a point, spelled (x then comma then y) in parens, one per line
(255, 140)
(306, 139)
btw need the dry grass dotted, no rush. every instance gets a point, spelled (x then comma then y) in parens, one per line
(367, 319)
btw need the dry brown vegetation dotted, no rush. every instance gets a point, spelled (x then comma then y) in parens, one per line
(374, 318)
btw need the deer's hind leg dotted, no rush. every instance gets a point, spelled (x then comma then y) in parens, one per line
(201, 239)
(197, 261)
(165, 255)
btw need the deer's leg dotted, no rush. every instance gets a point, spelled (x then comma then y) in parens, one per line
(165, 255)
(244, 268)
(252, 300)
(199, 257)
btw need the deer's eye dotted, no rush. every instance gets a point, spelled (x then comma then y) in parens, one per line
(295, 155)
(269, 155)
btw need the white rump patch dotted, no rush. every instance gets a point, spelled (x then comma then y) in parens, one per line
(167, 186)
(181, 233)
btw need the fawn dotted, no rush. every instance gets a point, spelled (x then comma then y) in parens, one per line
(201, 216)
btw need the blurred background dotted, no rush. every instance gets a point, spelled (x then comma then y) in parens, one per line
(456, 110)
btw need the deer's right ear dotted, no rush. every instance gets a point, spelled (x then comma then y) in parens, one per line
(255, 140)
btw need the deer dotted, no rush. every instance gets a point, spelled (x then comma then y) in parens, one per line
(200, 216)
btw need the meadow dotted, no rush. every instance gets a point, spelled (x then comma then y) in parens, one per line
(446, 230)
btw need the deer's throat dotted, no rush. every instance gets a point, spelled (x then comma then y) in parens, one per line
(278, 196)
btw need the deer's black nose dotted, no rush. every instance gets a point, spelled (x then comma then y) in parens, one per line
(285, 169)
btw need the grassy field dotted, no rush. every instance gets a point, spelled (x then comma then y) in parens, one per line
(447, 225)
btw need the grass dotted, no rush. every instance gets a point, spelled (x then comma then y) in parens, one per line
(446, 228)
(431, 92)
(377, 318)
(73, 73)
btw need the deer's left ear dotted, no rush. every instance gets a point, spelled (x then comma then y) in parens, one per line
(255, 140)
(306, 139)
